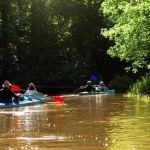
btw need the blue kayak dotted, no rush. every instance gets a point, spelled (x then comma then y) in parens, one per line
(99, 92)
(35, 99)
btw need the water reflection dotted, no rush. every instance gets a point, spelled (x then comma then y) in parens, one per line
(131, 126)
(100, 122)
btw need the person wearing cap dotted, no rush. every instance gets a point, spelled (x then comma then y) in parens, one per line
(102, 86)
(6, 94)
(89, 87)
(30, 90)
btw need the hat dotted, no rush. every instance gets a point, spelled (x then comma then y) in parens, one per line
(101, 83)
(89, 82)
(6, 84)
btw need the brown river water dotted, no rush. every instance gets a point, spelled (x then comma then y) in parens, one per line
(100, 122)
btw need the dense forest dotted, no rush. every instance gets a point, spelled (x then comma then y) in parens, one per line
(64, 42)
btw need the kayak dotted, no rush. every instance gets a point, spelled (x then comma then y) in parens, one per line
(35, 99)
(99, 92)
(21, 103)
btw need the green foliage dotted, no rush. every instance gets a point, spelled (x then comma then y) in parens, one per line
(130, 32)
(54, 42)
(141, 86)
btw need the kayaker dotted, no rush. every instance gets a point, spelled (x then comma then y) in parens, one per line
(6, 94)
(30, 90)
(89, 87)
(102, 86)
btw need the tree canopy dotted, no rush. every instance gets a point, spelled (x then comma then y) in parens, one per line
(60, 41)
(130, 31)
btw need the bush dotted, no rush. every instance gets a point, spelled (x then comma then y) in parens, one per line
(121, 82)
(141, 86)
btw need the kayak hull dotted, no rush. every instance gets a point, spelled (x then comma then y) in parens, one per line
(99, 92)
(21, 103)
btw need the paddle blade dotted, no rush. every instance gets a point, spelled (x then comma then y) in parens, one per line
(39, 96)
(94, 78)
(59, 99)
(15, 88)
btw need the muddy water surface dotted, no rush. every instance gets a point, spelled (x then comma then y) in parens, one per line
(100, 122)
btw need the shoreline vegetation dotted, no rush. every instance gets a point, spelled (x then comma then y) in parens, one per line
(140, 89)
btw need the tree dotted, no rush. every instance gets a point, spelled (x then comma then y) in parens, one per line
(54, 41)
(130, 31)
(7, 34)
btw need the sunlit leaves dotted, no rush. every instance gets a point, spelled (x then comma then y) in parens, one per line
(131, 31)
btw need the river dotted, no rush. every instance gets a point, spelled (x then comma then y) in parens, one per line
(99, 122)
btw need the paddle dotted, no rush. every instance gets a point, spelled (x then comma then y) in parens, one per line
(59, 99)
(15, 88)
(96, 88)
(41, 96)
(82, 88)
(94, 78)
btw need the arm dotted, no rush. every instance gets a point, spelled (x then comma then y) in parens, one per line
(14, 95)
(105, 88)
(93, 89)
